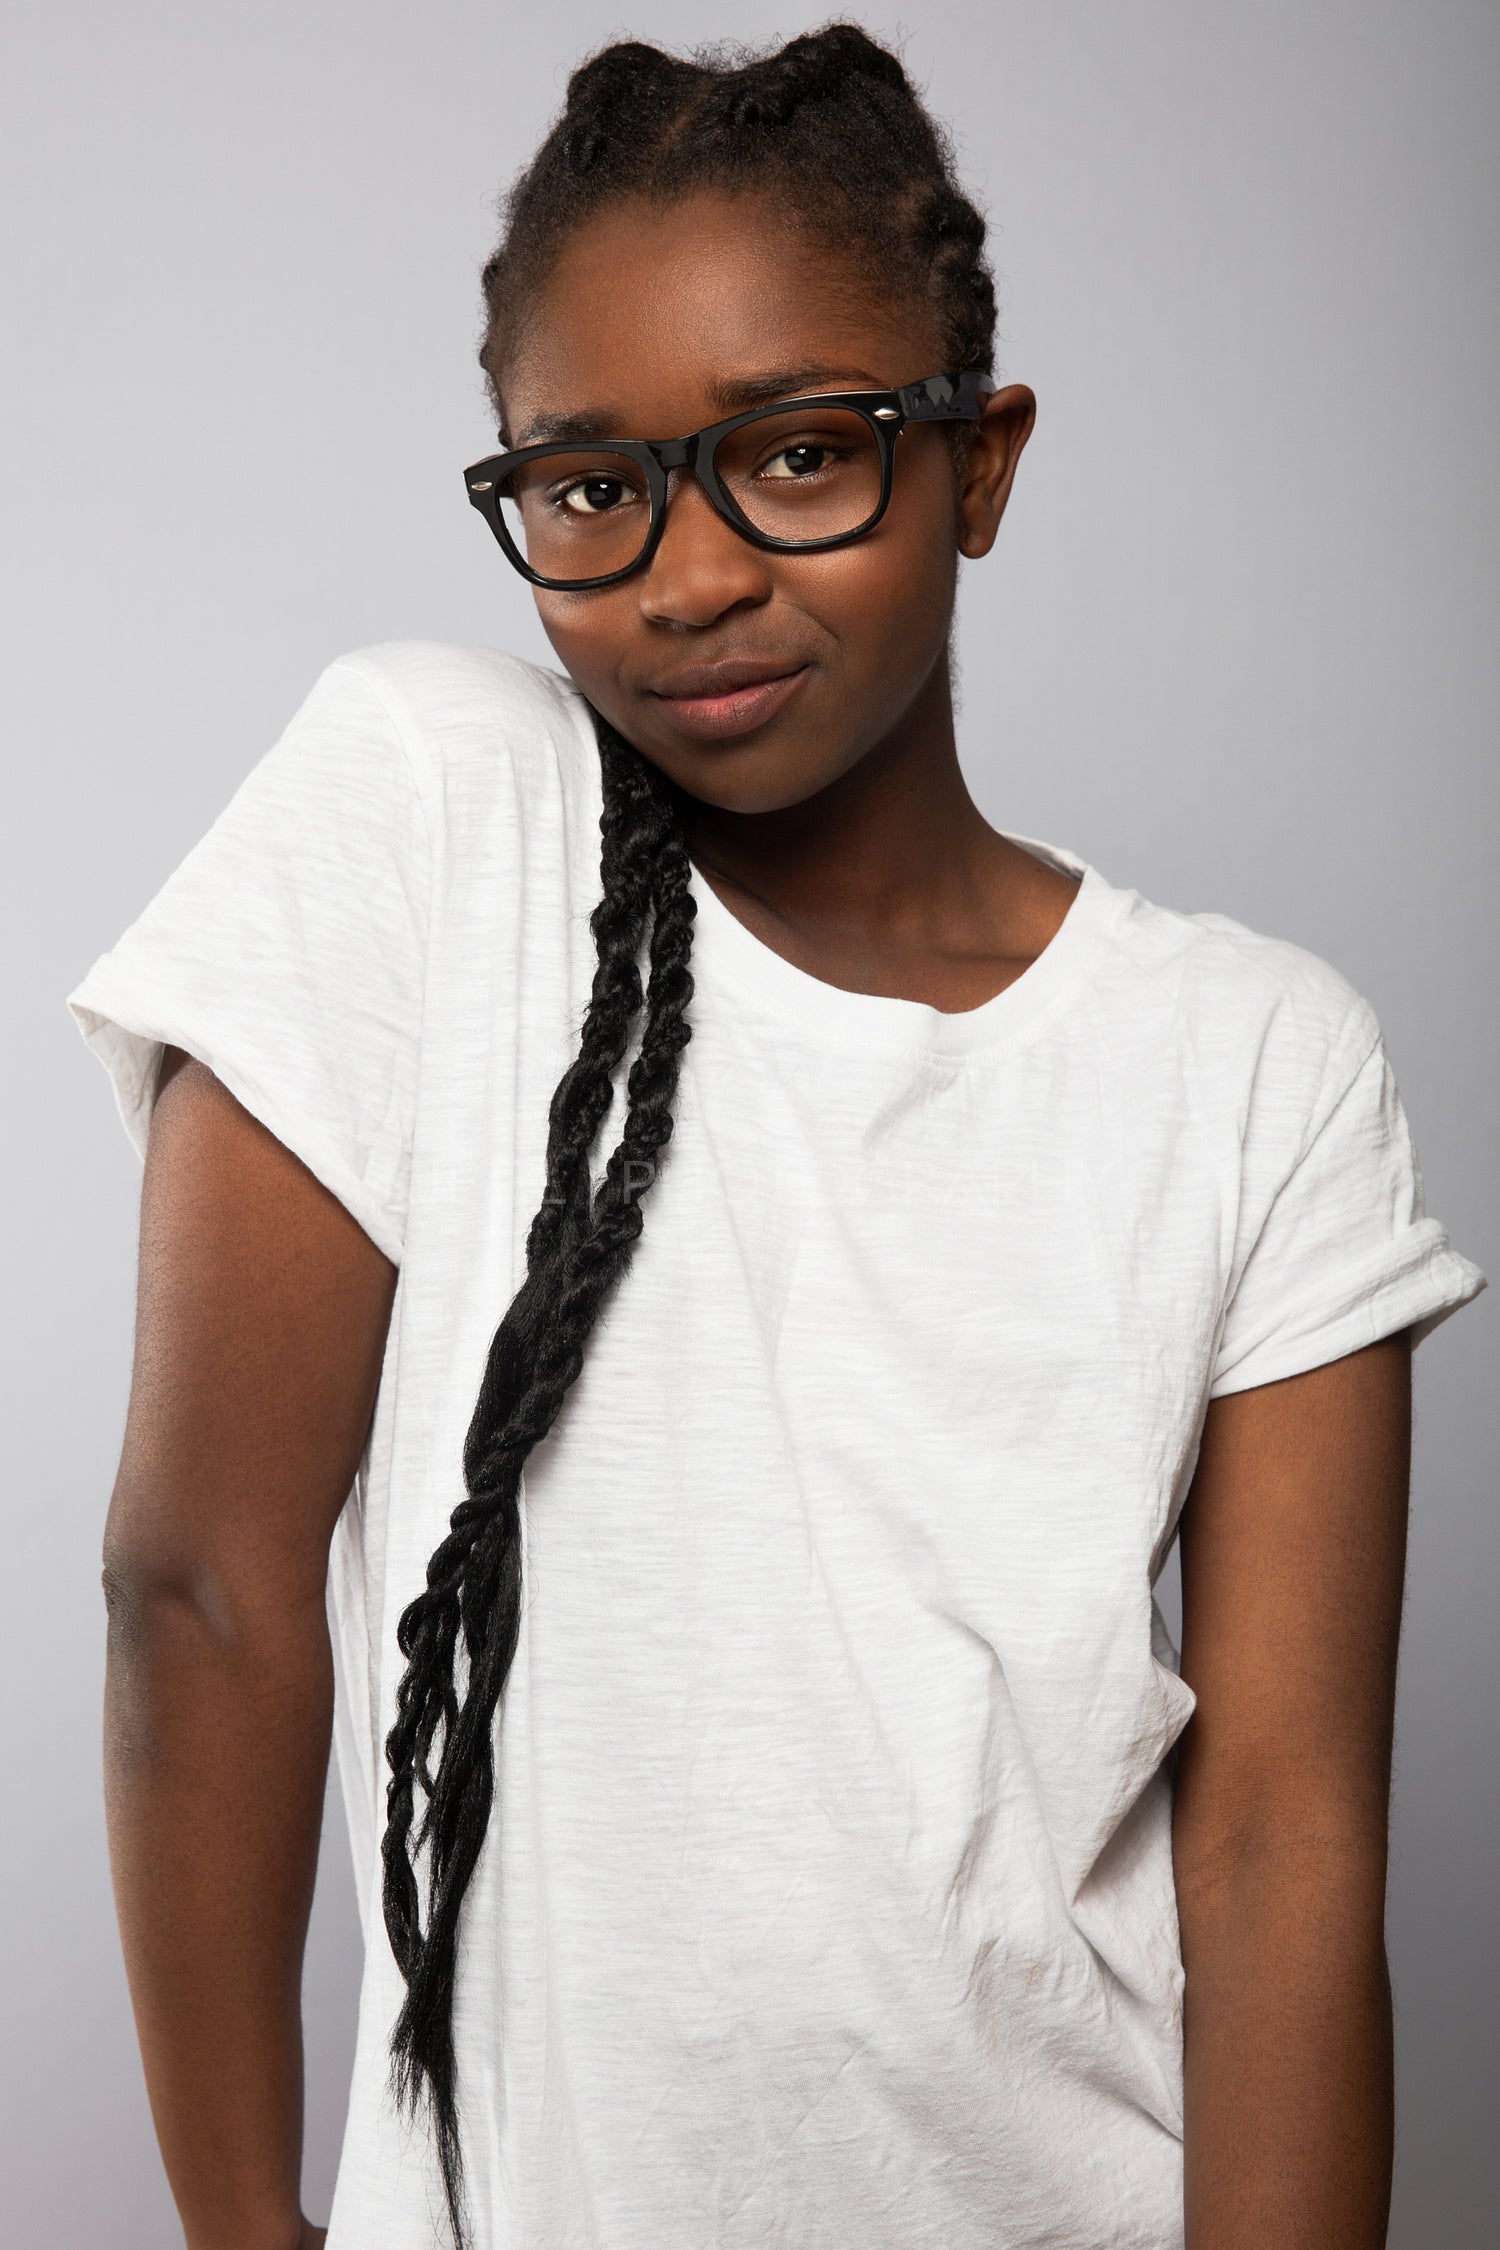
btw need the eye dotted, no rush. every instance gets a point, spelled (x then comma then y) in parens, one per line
(804, 460)
(594, 496)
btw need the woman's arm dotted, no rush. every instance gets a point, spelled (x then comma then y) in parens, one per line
(1293, 1554)
(262, 1316)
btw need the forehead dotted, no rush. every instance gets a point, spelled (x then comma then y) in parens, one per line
(655, 317)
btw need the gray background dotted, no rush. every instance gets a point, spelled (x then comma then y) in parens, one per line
(1238, 648)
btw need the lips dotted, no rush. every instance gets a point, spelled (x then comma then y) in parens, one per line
(716, 701)
(695, 682)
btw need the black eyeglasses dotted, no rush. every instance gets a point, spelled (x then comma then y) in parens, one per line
(798, 476)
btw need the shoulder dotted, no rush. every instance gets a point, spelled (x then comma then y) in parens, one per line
(1234, 1001)
(468, 755)
(477, 765)
(449, 707)
(420, 760)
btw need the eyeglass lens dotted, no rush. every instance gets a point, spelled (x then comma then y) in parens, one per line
(812, 473)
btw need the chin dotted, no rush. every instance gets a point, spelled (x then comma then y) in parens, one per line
(748, 777)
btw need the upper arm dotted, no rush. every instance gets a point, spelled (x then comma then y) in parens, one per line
(1293, 1558)
(261, 1321)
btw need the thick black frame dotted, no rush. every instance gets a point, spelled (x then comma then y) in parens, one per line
(936, 398)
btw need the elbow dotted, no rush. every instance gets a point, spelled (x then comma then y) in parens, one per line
(189, 1623)
(229, 1574)
(162, 1591)
(129, 1583)
(146, 1592)
(1310, 1881)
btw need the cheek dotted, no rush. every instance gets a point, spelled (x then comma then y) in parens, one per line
(885, 602)
(895, 589)
(590, 632)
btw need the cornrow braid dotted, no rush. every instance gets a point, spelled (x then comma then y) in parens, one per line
(798, 126)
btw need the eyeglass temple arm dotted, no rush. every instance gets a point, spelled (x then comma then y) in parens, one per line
(947, 398)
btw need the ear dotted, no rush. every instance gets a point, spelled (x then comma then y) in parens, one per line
(994, 450)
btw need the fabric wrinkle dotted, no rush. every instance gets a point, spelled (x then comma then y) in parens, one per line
(828, 1895)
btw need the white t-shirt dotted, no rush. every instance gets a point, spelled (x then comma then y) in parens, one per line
(827, 1902)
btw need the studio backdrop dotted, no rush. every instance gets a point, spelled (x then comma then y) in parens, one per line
(1237, 647)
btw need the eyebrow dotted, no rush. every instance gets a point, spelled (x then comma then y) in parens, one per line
(732, 396)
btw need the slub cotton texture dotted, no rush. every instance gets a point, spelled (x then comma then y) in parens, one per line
(827, 1902)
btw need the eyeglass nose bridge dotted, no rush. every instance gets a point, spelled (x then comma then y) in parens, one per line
(677, 453)
(683, 453)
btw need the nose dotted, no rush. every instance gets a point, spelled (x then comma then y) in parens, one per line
(701, 569)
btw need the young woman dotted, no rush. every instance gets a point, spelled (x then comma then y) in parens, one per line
(779, 1816)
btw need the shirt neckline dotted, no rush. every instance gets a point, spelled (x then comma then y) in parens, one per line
(727, 952)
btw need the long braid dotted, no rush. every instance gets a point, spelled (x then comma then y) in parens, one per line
(577, 1250)
(801, 124)
(428, 1629)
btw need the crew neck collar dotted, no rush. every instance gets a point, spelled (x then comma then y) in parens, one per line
(726, 952)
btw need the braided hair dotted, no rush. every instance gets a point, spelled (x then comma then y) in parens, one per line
(796, 125)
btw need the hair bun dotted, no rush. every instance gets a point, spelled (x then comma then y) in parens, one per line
(814, 67)
(625, 71)
(617, 91)
(846, 50)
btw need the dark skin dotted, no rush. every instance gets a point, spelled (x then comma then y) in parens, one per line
(842, 834)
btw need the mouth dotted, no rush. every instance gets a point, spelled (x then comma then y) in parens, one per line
(714, 702)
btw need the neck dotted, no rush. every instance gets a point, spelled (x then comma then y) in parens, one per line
(895, 845)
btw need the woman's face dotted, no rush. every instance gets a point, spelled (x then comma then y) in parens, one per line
(753, 679)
